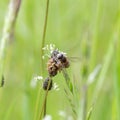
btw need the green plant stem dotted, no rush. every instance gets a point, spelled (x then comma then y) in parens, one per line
(90, 111)
(44, 34)
(117, 89)
(95, 40)
(11, 106)
(8, 28)
(83, 104)
(44, 102)
(116, 66)
(106, 65)
(42, 53)
(37, 105)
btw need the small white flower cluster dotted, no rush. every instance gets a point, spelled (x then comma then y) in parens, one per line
(36, 78)
(55, 87)
(65, 115)
(47, 117)
(34, 81)
(49, 49)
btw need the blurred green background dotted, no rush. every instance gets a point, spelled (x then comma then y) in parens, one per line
(89, 29)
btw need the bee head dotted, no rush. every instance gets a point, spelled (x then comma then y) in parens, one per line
(60, 56)
(54, 53)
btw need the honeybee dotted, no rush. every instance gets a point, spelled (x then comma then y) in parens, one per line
(57, 62)
(47, 84)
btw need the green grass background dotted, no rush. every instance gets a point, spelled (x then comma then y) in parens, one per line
(83, 28)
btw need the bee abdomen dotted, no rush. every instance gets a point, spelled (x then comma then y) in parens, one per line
(46, 83)
(66, 64)
(52, 68)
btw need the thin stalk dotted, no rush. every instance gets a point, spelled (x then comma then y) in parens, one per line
(90, 111)
(45, 107)
(12, 104)
(44, 102)
(8, 28)
(95, 40)
(83, 108)
(117, 70)
(37, 105)
(117, 89)
(106, 65)
(44, 34)
(42, 53)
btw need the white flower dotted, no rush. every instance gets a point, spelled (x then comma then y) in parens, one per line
(34, 81)
(39, 77)
(55, 87)
(62, 113)
(49, 50)
(52, 47)
(65, 115)
(47, 117)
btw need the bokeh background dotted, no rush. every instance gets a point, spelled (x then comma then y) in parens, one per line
(88, 29)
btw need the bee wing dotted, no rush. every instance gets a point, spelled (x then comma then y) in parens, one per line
(74, 59)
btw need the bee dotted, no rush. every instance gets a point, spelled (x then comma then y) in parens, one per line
(56, 63)
(48, 81)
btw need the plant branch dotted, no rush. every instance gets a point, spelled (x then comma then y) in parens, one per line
(8, 28)
(44, 34)
(42, 52)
